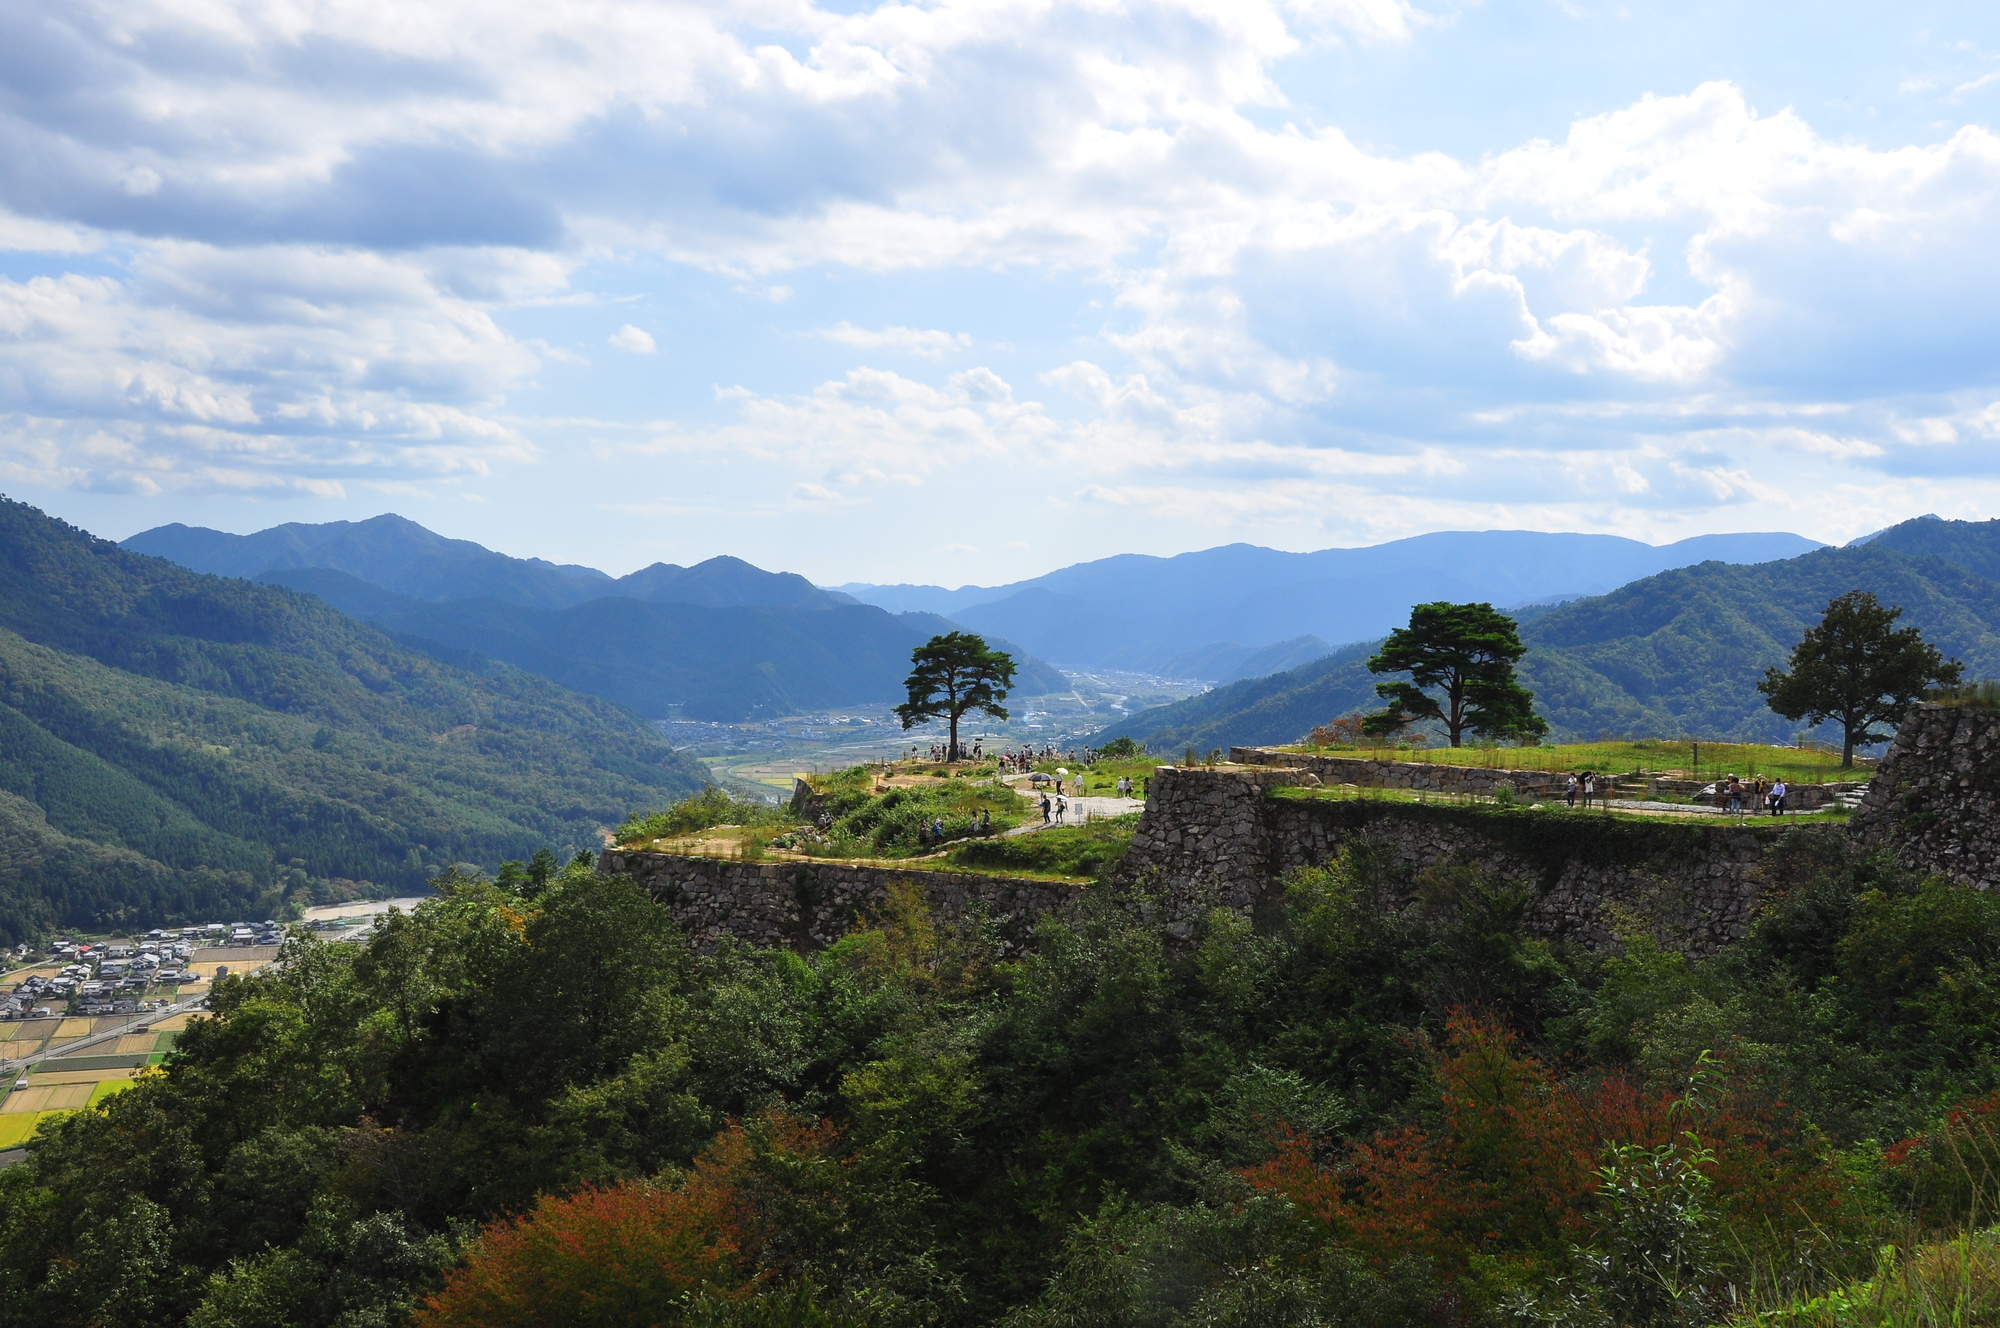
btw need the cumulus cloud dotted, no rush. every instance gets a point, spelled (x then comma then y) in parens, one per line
(283, 247)
(635, 340)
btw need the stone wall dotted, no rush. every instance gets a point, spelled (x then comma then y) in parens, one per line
(1478, 781)
(1215, 837)
(1935, 798)
(810, 905)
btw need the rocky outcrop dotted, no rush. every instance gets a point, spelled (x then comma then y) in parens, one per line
(1935, 800)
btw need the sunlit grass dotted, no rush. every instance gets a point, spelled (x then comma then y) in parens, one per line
(1692, 759)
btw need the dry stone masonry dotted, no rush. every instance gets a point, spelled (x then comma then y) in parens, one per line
(1935, 798)
(1213, 837)
(1225, 837)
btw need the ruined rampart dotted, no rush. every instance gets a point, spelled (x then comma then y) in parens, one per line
(1214, 837)
(1935, 799)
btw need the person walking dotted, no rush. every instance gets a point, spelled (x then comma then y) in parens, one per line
(986, 822)
(1062, 804)
(1045, 809)
(1778, 792)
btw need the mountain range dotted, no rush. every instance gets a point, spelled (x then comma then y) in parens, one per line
(722, 640)
(1674, 654)
(1153, 614)
(179, 746)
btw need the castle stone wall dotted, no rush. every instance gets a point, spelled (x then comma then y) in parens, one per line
(1935, 799)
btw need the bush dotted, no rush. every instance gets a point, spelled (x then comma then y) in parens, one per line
(704, 810)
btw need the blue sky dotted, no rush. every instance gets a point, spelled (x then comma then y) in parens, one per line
(967, 291)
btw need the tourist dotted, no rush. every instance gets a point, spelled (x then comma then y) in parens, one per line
(1778, 792)
(1061, 804)
(1589, 788)
(986, 822)
(1572, 789)
(1735, 790)
(1045, 809)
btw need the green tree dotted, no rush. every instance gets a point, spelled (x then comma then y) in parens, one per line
(1856, 667)
(1466, 653)
(953, 674)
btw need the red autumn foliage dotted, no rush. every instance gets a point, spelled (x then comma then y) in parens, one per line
(630, 1253)
(1950, 1173)
(1511, 1167)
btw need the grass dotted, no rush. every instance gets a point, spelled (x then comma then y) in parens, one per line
(1949, 1284)
(1680, 760)
(1074, 852)
(1552, 807)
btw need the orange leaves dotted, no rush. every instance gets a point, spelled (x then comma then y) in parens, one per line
(1512, 1166)
(635, 1252)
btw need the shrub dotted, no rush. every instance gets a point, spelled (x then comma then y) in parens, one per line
(704, 810)
(636, 1252)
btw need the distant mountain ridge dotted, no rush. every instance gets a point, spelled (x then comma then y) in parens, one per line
(1135, 611)
(1673, 654)
(723, 640)
(715, 662)
(177, 746)
(398, 554)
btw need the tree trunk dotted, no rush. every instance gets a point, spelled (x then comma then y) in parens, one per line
(1846, 745)
(951, 752)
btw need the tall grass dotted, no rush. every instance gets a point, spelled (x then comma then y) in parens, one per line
(1681, 759)
(1983, 694)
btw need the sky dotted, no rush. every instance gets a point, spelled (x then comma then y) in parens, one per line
(965, 291)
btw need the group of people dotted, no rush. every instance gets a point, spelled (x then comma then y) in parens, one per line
(941, 753)
(1731, 792)
(1587, 785)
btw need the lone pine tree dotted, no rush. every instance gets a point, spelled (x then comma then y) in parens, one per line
(953, 674)
(1856, 667)
(1466, 654)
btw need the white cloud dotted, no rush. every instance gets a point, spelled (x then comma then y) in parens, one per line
(636, 340)
(926, 342)
(284, 247)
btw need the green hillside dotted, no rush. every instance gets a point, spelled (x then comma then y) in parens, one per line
(177, 746)
(719, 663)
(1673, 654)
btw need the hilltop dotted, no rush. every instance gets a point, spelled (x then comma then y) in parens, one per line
(184, 746)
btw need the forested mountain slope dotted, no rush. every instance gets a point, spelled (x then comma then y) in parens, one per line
(1673, 654)
(174, 745)
(717, 663)
(397, 554)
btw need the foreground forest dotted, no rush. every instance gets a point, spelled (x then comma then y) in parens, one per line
(529, 1103)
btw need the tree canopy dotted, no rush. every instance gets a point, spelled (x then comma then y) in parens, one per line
(1858, 668)
(953, 674)
(1466, 653)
